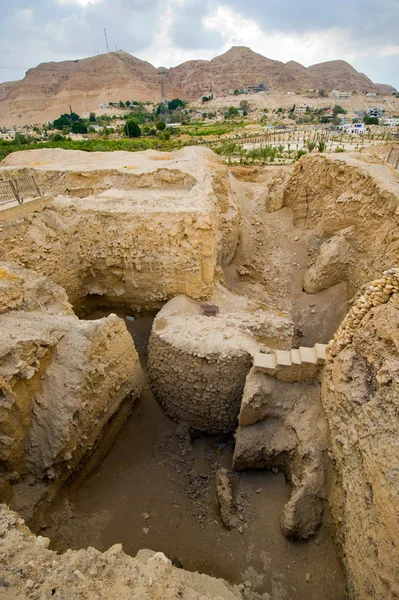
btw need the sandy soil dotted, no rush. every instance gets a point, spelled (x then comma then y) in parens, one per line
(275, 255)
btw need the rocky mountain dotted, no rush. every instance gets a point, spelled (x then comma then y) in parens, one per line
(51, 88)
(340, 75)
(6, 87)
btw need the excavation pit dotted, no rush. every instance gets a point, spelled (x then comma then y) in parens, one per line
(156, 489)
(89, 456)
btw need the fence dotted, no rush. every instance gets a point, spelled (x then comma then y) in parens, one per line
(17, 190)
(393, 157)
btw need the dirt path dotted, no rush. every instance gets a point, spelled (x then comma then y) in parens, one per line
(273, 256)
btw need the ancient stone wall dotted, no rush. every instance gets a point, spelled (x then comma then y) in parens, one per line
(361, 400)
(198, 363)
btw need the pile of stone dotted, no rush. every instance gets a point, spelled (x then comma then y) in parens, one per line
(377, 293)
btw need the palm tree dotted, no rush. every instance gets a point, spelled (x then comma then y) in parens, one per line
(311, 146)
(229, 149)
(264, 153)
(273, 152)
(253, 154)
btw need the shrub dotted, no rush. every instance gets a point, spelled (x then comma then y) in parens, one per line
(299, 154)
(132, 129)
(161, 126)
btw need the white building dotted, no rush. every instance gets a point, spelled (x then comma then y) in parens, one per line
(391, 121)
(339, 94)
(300, 110)
(8, 136)
(372, 94)
(358, 128)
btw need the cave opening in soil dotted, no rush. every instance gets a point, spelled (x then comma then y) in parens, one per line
(155, 488)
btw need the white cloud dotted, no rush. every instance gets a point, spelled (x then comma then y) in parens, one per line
(388, 51)
(81, 2)
(306, 49)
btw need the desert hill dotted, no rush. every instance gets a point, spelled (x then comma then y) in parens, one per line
(340, 75)
(49, 89)
(6, 87)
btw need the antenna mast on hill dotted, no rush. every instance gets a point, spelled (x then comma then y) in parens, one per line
(106, 39)
(164, 112)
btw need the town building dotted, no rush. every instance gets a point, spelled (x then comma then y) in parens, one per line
(391, 121)
(339, 94)
(357, 128)
(376, 112)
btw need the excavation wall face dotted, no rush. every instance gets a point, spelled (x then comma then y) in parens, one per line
(142, 226)
(27, 562)
(351, 206)
(198, 363)
(361, 401)
(61, 381)
(282, 426)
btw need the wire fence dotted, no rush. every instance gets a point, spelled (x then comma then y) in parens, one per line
(17, 190)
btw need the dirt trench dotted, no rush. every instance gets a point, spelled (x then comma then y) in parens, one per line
(156, 489)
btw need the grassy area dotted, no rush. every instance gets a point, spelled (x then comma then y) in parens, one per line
(201, 130)
(132, 145)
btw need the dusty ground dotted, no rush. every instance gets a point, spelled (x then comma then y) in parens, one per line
(272, 258)
(156, 490)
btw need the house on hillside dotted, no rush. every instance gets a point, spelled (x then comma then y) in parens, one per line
(339, 94)
(376, 112)
(357, 128)
(391, 121)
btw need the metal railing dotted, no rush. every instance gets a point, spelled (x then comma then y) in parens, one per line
(17, 190)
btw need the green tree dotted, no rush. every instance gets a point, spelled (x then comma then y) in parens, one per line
(92, 117)
(229, 149)
(368, 120)
(231, 112)
(161, 125)
(176, 103)
(132, 129)
(264, 153)
(321, 146)
(338, 110)
(79, 127)
(127, 103)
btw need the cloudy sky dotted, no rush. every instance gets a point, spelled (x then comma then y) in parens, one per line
(168, 32)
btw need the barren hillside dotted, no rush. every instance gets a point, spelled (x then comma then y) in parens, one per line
(338, 74)
(51, 88)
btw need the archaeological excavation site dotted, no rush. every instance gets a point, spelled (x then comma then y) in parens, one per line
(199, 377)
